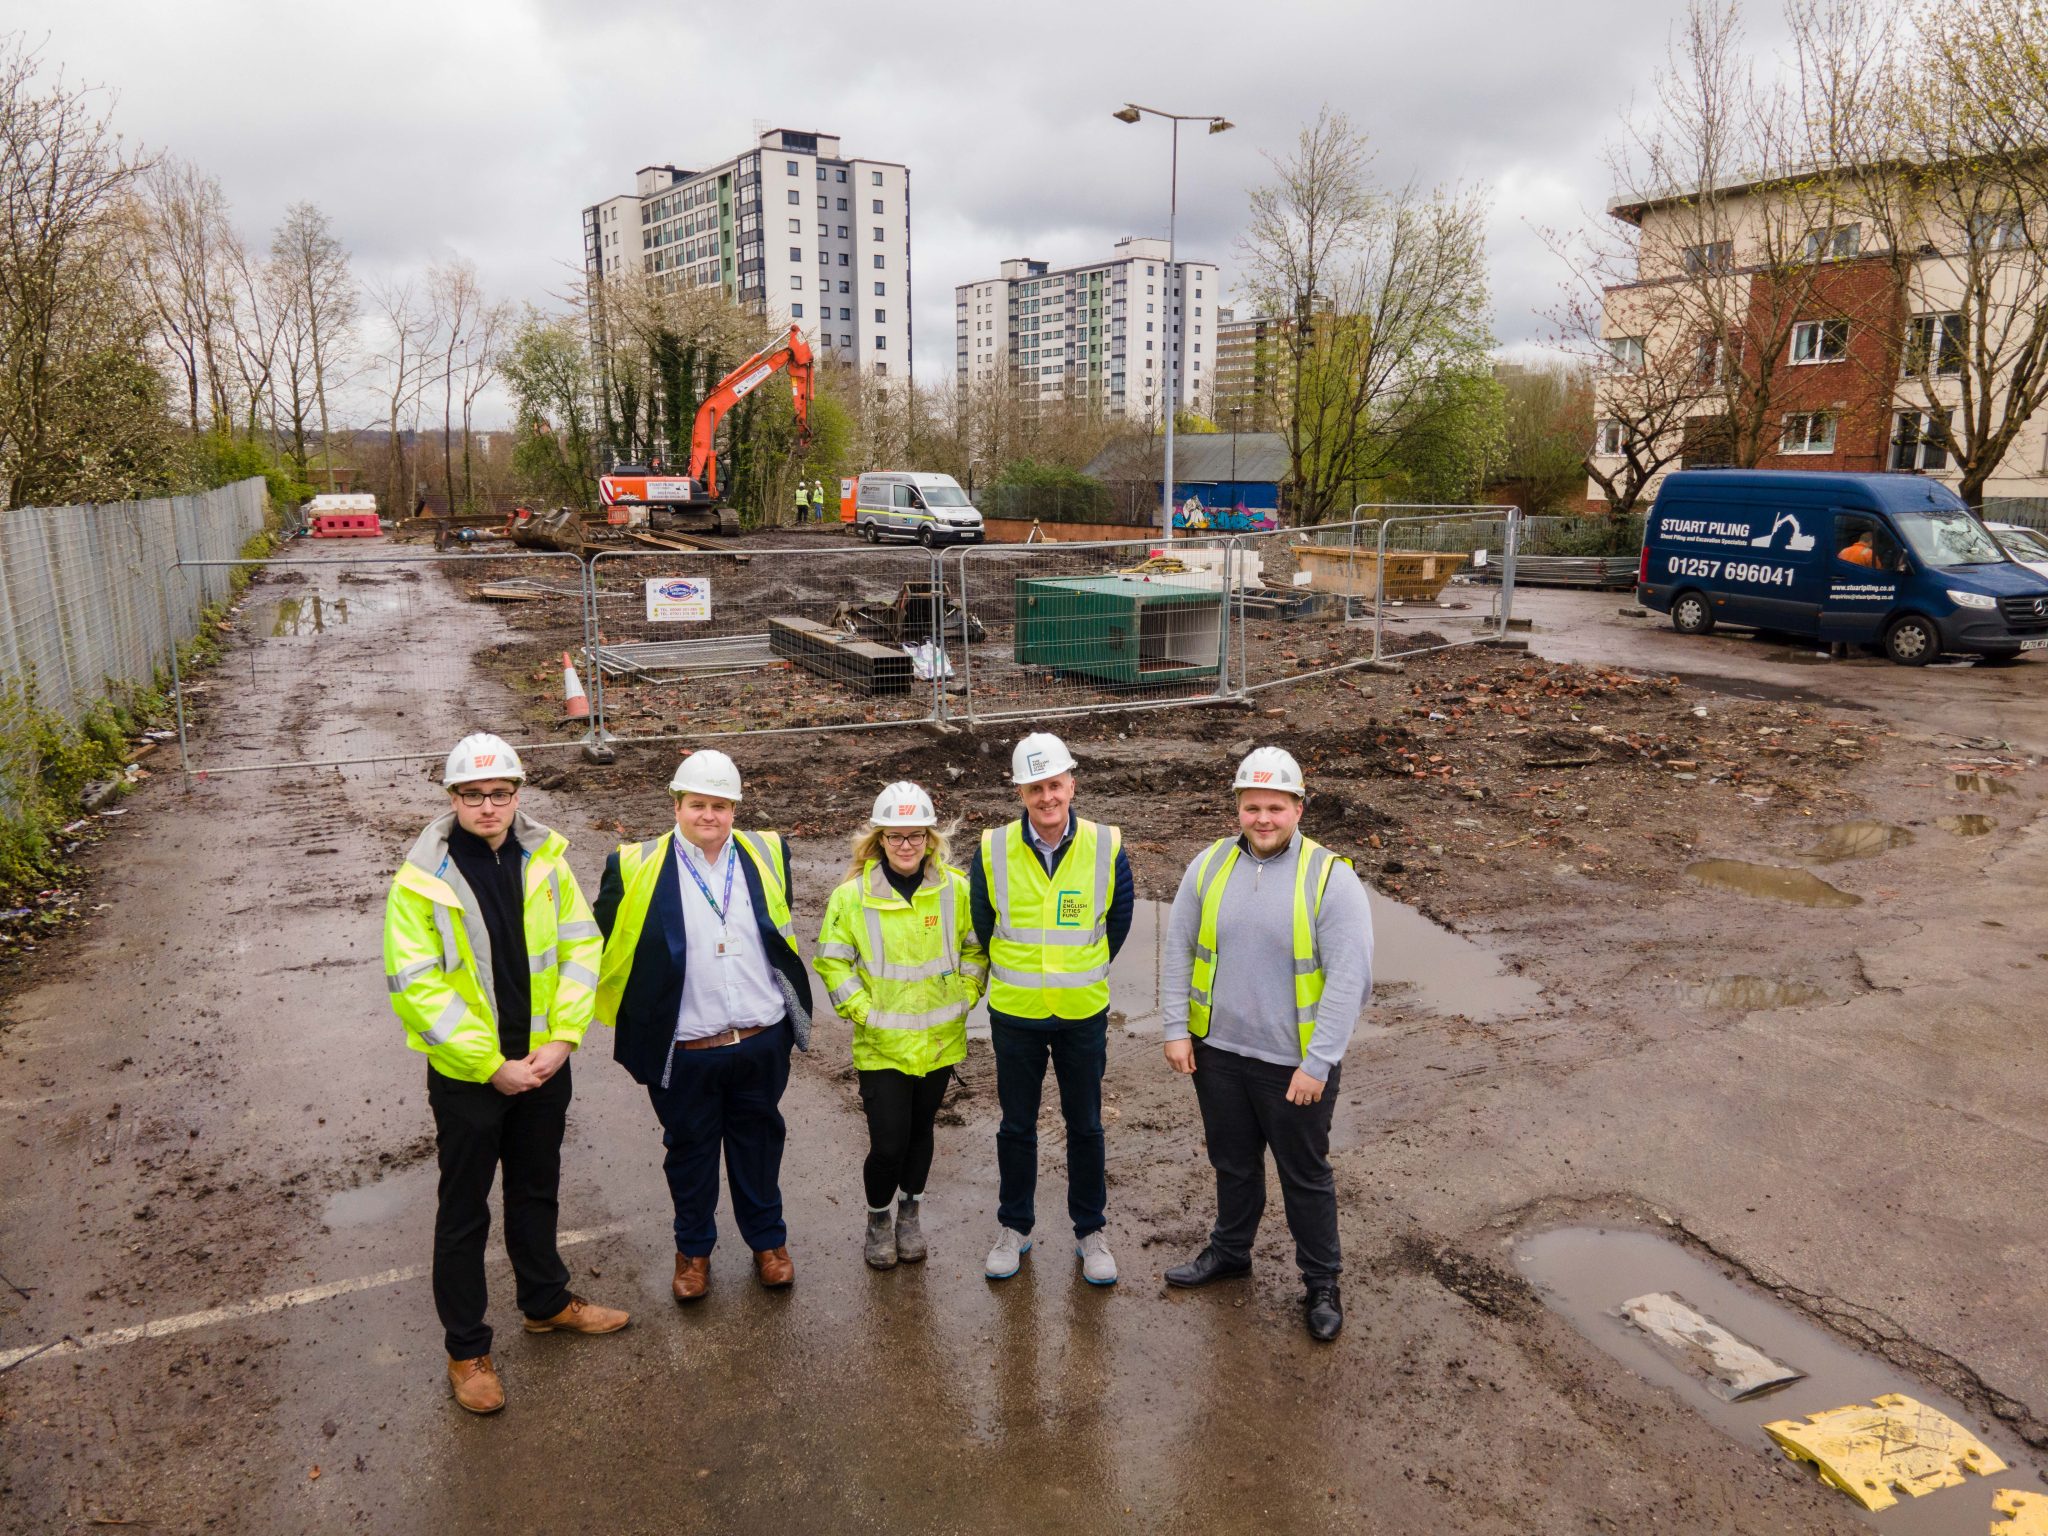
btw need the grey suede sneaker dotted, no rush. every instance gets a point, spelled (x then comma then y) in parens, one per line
(909, 1233)
(881, 1244)
(1008, 1252)
(1098, 1265)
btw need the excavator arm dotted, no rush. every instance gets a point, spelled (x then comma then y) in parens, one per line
(791, 352)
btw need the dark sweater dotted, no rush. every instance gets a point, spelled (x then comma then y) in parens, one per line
(1117, 921)
(906, 885)
(498, 877)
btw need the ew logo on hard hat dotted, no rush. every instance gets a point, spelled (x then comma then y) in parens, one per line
(485, 759)
(677, 598)
(906, 810)
(1073, 910)
(1262, 775)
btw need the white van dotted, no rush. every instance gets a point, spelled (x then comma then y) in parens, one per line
(931, 509)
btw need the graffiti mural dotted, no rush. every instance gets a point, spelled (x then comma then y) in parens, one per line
(1193, 514)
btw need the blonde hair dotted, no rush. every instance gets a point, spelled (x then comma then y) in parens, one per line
(867, 844)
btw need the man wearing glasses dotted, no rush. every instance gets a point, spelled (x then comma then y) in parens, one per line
(491, 958)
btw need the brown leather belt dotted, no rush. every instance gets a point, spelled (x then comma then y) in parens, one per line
(723, 1037)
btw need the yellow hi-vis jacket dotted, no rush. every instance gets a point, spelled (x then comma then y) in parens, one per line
(1311, 878)
(437, 962)
(1048, 957)
(906, 973)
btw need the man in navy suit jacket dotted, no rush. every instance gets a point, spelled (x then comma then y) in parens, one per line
(707, 994)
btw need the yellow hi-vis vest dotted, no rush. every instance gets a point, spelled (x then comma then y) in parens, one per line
(906, 973)
(434, 932)
(640, 866)
(1311, 874)
(1049, 955)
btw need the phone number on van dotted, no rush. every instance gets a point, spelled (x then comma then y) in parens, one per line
(1732, 570)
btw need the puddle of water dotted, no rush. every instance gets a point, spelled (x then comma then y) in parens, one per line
(1774, 882)
(1980, 784)
(1750, 993)
(1585, 1274)
(367, 1205)
(307, 615)
(1965, 826)
(1856, 840)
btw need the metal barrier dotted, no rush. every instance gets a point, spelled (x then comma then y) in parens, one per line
(1476, 537)
(1290, 584)
(424, 655)
(722, 642)
(1073, 628)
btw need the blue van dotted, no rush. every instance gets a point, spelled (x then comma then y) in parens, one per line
(1896, 561)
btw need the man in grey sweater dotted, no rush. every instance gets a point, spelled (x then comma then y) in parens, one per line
(1268, 961)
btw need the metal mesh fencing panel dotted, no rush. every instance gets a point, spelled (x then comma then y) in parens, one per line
(1295, 589)
(716, 643)
(414, 652)
(1048, 629)
(1442, 577)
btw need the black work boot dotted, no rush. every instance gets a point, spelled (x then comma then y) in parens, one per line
(1323, 1309)
(1204, 1267)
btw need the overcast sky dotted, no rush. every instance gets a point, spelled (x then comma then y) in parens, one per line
(485, 126)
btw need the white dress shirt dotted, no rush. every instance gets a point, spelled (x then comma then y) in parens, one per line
(727, 983)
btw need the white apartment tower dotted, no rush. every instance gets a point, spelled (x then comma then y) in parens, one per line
(792, 228)
(1098, 332)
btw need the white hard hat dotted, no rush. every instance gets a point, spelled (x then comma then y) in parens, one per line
(1040, 755)
(904, 804)
(479, 757)
(709, 772)
(1270, 768)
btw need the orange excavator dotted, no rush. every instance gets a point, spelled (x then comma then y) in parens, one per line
(691, 499)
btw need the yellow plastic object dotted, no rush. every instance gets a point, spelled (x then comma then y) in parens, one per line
(2026, 1514)
(1896, 1443)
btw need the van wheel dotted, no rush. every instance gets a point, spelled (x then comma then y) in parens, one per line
(926, 537)
(1913, 641)
(1691, 614)
(867, 531)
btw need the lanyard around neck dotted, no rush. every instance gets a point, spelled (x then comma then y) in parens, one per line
(719, 909)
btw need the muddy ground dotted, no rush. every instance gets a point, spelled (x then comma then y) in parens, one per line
(1835, 1104)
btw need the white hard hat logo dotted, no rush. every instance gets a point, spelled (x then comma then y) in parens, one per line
(1035, 762)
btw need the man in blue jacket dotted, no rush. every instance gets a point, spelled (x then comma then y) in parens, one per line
(703, 984)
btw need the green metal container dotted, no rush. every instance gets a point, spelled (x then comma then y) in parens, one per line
(1117, 629)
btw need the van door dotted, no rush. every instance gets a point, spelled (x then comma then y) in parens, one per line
(1770, 579)
(904, 518)
(1866, 565)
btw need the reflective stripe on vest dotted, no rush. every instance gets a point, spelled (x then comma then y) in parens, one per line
(1312, 869)
(1049, 953)
(913, 992)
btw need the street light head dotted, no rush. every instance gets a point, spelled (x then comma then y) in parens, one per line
(1128, 115)
(1220, 125)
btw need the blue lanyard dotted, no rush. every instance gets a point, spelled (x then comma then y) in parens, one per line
(717, 909)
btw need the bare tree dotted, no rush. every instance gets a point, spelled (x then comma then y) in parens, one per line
(307, 250)
(1388, 292)
(406, 362)
(187, 252)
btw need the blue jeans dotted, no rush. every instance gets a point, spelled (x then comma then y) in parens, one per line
(1079, 1050)
(726, 1099)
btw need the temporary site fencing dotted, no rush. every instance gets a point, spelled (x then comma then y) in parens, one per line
(695, 644)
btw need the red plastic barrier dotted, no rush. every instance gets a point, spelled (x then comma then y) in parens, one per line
(346, 525)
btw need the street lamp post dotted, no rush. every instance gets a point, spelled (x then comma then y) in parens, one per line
(1236, 492)
(1130, 113)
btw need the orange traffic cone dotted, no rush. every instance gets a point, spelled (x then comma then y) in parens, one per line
(575, 701)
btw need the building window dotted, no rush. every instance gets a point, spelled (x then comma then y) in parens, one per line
(2002, 231)
(1716, 256)
(842, 231)
(844, 285)
(797, 282)
(796, 311)
(1840, 243)
(880, 260)
(821, 202)
(881, 343)
(1808, 432)
(846, 341)
(847, 261)
(1820, 341)
(876, 177)
(795, 196)
(792, 167)
(878, 234)
(881, 290)
(1148, 346)
(1607, 438)
(881, 317)
(796, 226)
(845, 313)
(796, 253)
(842, 205)
(839, 175)
(824, 258)
(881, 368)
(1917, 441)
(1626, 350)
(1149, 271)
(1934, 344)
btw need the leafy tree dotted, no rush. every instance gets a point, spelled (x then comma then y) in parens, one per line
(554, 391)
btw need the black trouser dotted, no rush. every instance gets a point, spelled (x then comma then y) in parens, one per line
(1079, 1052)
(901, 1111)
(475, 1129)
(1244, 1113)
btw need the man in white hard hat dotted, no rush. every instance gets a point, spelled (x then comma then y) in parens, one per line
(1268, 961)
(491, 958)
(1052, 898)
(703, 983)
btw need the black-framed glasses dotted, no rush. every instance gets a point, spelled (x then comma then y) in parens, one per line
(905, 839)
(476, 797)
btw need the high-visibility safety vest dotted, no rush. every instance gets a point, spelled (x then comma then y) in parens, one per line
(437, 952)
(640, 866)
(803, 495)
(1049, 954)
(1312, 867)
(906, 973)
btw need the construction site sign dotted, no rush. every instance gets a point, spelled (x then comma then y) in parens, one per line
(674, 598)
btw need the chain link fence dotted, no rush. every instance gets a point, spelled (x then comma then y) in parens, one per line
(689, 645)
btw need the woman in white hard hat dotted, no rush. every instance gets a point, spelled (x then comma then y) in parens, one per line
(899, 954)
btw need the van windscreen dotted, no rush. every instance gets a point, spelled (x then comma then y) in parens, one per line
(1943, 539)
(945, 496)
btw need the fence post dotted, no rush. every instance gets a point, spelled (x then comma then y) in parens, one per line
(1507, 568)
(937, 630)
(966, 637)
(1230, 549)
(1379, 597)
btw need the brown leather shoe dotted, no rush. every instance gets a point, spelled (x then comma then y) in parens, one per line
(693, 1277)
(476, 1385)
(580, 1316)
(775, 1267)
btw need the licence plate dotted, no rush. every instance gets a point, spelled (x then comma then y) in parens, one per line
(2034, 645)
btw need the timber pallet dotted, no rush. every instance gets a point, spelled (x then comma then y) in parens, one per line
(840, 658)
